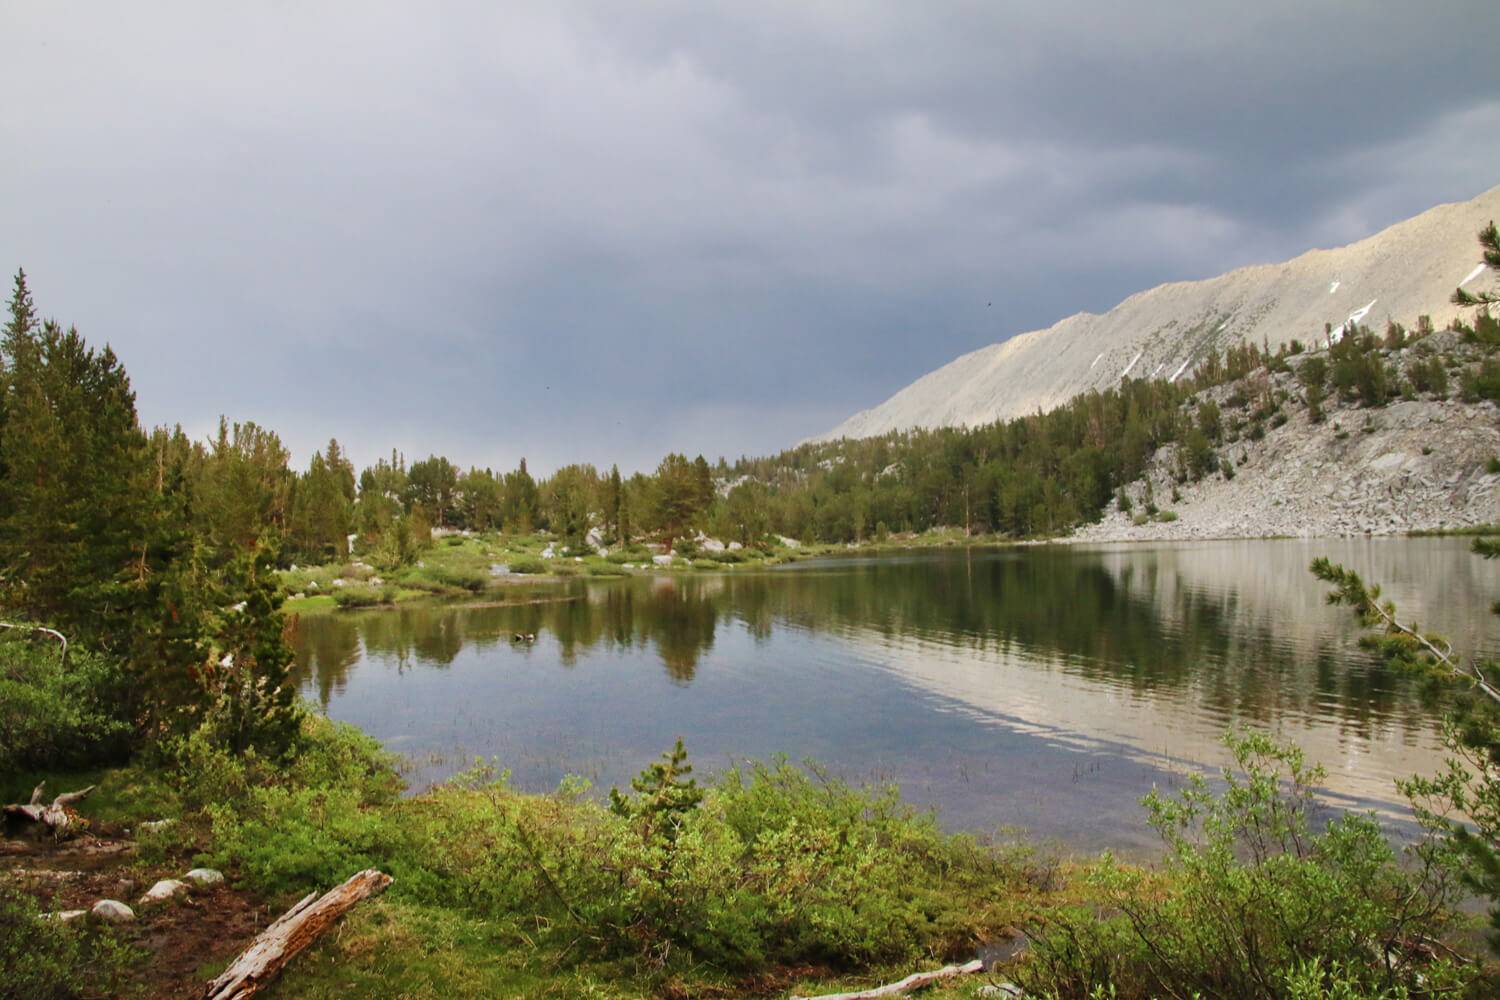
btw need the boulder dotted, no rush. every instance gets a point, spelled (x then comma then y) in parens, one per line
(167, 888)
(156, 825)
(204, 876)
(113, 911)
(662, 560)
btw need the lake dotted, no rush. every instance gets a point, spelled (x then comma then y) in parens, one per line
(1044, 688)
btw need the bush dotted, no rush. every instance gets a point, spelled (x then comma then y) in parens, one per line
(41, 960)
(1250, 899)
(596, 570)
(471, 580)
(56, 715)
(1482, 383)
(770, 864)
(528, 565)
(364, 597)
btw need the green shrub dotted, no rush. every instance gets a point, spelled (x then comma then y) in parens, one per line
(611, 570)
(472, 580)
(363, 596)
(727, 556)
(528, 565)
(1249, 895)
(41, 960)
(59, 715)
(771, 864)
(1483, 382)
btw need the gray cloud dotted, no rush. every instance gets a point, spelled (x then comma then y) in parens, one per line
(597, 231)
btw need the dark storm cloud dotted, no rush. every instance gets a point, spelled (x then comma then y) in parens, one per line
(599, 231)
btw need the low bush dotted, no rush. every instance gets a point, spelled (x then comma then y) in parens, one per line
(59, 715)
(528, 565)
(1251, 899)
(364, 596)
(472, 580)
(770, 864)
(1482, 383)
(42, 960)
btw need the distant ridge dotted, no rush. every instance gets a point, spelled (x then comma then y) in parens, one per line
(1399, 273)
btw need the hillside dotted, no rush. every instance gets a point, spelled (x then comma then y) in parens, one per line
(1405, 271)
(1420, 461)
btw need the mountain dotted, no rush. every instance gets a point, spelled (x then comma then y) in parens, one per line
(1400, 273)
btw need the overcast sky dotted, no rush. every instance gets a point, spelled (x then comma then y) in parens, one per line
(602, 231)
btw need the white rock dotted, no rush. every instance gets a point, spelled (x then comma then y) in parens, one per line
(157, 825)
(113, 911)
(735, 546)
(338, 581)
(204, 876)
(662, 560)
(790, 543)
(162, 891)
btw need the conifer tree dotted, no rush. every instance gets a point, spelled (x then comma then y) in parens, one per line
(613, 504)
(1489, 244)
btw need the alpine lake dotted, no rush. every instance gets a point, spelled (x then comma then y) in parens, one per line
(1039, 691)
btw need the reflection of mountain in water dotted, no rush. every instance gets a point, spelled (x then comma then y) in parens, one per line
(1226, 631)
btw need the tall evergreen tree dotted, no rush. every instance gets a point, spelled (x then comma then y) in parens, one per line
(613, 504)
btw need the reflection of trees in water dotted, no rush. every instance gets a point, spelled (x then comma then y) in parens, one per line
(1139, 623)
(678, 618)
(326, 651)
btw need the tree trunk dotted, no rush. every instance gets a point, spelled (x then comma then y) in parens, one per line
(915, 981)
(297, 928)
(54, 816)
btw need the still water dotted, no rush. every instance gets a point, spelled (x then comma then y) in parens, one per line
(1045, 689)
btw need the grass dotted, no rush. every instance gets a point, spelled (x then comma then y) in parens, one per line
(1465, 529)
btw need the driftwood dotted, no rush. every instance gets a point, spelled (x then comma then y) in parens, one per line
(297, 928)
(54, 816)
(915, 981)
(54, 633)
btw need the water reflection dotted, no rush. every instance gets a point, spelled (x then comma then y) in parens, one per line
(1034, 655)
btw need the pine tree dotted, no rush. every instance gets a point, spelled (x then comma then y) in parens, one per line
(677, 492)
(520, 500)
(1489, 243)
(252, 697)
(613, 505)
(664, 794)
(72, 511)
(1463, 801)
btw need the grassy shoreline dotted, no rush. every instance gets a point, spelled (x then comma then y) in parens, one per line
(457, 568)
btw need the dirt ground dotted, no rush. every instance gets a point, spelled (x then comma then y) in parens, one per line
(186, 938)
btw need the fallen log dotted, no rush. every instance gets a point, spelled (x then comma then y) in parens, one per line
(54, 815)
(292, 932)
(915, 981)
